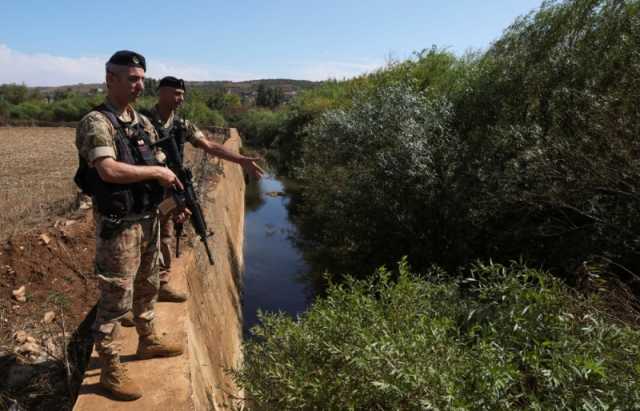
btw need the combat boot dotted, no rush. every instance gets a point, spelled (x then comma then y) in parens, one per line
(115, 380)
(152, 346)
(168, 294)
(127, 320)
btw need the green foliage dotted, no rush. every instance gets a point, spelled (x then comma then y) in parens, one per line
(504, 338)
(222, 101)
(433, 70)
(150, 86)
(381, 175)
(196, 110)
(269, 96)
(551, 133)
(529, 149)
(4, 110)
(26, 111)
(261, 126)
(21, 103)
(73, 107)
(14, 93)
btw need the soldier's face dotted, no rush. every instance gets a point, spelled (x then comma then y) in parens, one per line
(171, 97)
(128, 84)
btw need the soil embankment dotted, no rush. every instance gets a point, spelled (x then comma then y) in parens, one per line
(209, 324)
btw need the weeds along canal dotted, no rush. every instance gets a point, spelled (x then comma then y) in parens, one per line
(275, 277)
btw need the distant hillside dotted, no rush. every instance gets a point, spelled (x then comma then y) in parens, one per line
(245, 88)
(207, 102)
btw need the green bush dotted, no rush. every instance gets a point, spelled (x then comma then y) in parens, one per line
(504, 338)
(261, 126)
(26, 111)
(223, 102)
(14, 93)
(384, 175)
(529, 149)
(196, 110)
(4, 110)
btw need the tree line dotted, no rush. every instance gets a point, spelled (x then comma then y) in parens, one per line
(207, 106)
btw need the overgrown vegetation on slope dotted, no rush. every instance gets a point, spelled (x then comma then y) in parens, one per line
(528, 151)
(503, 338)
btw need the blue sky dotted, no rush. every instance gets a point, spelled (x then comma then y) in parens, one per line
(68, 41)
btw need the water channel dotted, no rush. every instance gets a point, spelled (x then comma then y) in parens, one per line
(274, 277)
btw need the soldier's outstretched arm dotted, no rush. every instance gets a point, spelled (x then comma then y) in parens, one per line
(117, 172)
(219, 150)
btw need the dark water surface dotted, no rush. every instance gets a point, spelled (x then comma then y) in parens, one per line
(275, 271)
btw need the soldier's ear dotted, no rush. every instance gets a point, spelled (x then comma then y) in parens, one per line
(110, 77)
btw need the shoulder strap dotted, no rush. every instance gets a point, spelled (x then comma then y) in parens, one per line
(179, 121)
(102, 108)
(122, 142)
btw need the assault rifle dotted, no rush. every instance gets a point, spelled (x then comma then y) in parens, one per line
(183, 199)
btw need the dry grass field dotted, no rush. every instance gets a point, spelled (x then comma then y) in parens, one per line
(36, 175)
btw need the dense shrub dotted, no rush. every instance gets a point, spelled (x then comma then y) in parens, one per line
(222, 102)
(197, 111)
(529, 149)
(26, 111)
(504, 338)
(4, 110)
(383, 175)
(14, 93)
(21, 103)
(551, 125)
(260, 126)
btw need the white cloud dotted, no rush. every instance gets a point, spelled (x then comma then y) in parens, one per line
(335, 70)
(41, 69)
(47, 70)
(160, 69)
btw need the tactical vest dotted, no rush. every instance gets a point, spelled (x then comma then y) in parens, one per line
(177, 130)
(118, 200)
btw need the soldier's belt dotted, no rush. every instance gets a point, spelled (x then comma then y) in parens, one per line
(133, 218)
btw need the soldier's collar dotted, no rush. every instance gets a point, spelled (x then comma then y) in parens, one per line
(165, 124)
(128, 115)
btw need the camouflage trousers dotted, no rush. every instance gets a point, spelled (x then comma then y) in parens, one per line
(167, 234)
(127, 270)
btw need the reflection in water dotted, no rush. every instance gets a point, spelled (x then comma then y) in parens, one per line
(253, 198)
(274, 267)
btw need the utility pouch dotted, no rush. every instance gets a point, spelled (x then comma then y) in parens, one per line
(114, 200)
(111, 227)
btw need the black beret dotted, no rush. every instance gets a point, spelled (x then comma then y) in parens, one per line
(128, 58)
(171, 81)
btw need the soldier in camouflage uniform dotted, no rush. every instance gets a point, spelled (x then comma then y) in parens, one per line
(125, 177)
(163, 115)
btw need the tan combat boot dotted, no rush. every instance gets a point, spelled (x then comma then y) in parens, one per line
(127, 320)
(168, 294)
(115, 380)
(152, 346)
